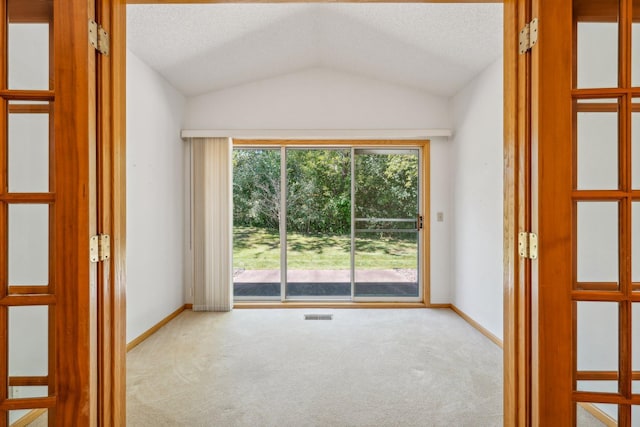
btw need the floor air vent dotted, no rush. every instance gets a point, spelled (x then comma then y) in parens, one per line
(318, 317)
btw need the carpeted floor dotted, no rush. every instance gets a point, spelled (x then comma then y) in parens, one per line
(273, 368)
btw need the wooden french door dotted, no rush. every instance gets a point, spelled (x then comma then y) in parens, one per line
(585, 208)
(55, 154)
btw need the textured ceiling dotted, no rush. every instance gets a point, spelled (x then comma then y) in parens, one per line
(205, 47)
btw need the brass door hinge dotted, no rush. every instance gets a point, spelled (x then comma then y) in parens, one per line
(98, 38)
(528, 37)
(528, 245)
(100, 248)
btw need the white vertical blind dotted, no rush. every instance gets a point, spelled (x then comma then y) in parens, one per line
(212, 228)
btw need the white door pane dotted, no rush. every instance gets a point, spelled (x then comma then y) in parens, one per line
(28, 153)
(597, 151)
(28, 244)
(597, 242)
(28, 64)
(597, 55)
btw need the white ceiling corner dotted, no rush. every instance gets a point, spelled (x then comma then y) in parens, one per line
(205, 47)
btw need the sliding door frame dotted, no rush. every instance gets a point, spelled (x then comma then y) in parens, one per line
(284, 246)
(422, 170)
(424, 207)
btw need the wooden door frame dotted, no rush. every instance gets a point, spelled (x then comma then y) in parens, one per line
(517, 217)
(111, 159)
(517, 297)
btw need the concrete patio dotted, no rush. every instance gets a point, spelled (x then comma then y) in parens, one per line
(326, 276)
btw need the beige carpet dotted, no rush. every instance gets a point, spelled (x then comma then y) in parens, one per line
(273, 368)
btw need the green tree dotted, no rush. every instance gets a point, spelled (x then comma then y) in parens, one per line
(319, 188)
(256, 188)
(386, 185)
(319, 191)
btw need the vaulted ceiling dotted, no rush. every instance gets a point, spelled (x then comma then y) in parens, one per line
(204, 47)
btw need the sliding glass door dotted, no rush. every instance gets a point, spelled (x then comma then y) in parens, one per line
(387, 223)
(256, 224)
(316, 223)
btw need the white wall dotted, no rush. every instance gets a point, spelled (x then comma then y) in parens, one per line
(476, 169)
(317, 99)
(327, 99)
(441, 201)
(155, 210)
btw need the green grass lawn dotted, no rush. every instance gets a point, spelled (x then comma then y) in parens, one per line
(259, 249)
